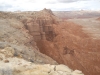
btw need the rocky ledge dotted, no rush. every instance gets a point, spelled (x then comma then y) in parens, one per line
(10, 65)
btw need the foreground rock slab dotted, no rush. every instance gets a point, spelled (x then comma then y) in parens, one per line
(11, 65)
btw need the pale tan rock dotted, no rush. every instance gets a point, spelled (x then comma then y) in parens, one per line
(50, 67)
(60, 72)
(54, 73)
(77, 72)
(8, 51)
(63, 68)
(66, 73)
(33, 72)
(42, 68)
(63, 73)
(39, 73)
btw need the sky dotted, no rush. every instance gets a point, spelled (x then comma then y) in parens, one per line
(55, 5)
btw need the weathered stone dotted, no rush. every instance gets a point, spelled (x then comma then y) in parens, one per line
(77, 72)
(8, 51)
(43, 36)
(63, 68)
(54, 73)
(34, 72)
(6, 61)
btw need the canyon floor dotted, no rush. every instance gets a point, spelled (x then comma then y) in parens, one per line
(49, 43)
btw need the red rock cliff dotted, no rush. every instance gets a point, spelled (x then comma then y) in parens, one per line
(65, 42)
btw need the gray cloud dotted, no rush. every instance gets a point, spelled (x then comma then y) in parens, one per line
(5, 6)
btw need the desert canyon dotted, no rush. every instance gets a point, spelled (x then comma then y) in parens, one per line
(49, 42)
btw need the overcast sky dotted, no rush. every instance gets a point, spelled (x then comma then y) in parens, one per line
(55, 5)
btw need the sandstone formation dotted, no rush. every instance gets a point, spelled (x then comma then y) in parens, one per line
(40, 25)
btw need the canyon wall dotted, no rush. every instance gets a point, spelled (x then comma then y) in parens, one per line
(62, 40)
(40, 25)
(66, 42)
(14, 34)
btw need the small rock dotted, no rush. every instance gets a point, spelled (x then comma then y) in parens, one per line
(6, 61)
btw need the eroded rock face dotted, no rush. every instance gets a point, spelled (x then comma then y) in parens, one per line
(65, 42)
(14, 34)
(73, 47)
(40, 25)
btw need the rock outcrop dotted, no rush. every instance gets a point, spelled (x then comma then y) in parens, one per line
(29, 34)
(14, 34)
(40, 25)
(11, 65)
